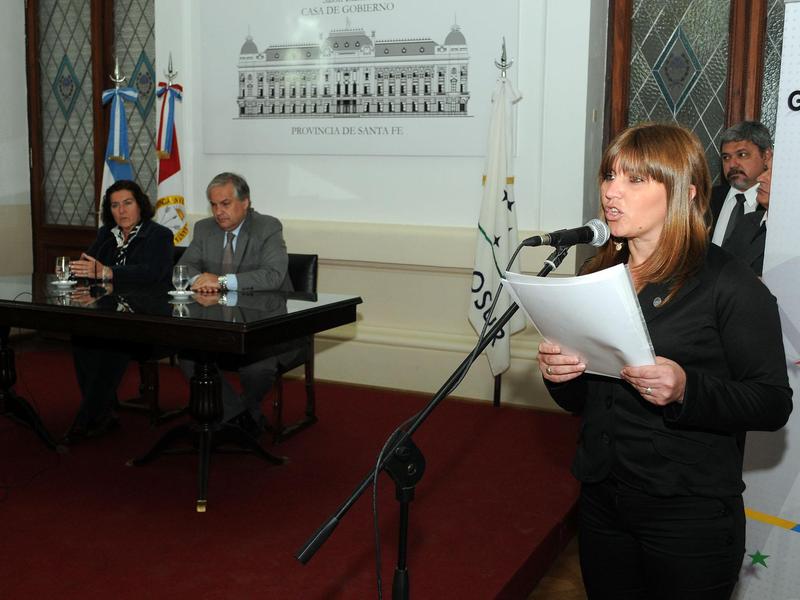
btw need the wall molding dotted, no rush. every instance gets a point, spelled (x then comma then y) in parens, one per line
(523, 344)
(408, 247)
(412, 329)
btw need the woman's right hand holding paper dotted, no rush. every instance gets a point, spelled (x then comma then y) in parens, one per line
(557, 367)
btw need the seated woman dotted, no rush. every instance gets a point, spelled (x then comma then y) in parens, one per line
(130, 248)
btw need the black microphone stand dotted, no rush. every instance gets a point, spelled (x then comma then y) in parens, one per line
(403, 460)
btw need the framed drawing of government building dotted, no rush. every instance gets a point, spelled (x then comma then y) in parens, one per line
(350, 72)
(350, 77)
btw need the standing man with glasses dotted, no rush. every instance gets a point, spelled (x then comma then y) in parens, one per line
(238, 250)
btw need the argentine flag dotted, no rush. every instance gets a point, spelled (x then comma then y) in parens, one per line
(117, 164)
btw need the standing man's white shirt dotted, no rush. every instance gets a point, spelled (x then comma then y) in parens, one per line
(750, 205)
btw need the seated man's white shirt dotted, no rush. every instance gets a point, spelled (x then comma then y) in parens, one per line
(231, 282)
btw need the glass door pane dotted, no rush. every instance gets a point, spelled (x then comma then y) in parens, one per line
(65, 61)
(679, 67)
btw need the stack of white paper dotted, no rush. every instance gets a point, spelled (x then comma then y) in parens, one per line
(596, 317)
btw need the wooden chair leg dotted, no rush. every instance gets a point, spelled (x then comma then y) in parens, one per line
(281, 431)
(147, 401)
(149, 387)
(311, 402)
(277, 410)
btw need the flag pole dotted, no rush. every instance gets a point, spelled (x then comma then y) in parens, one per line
(503, 64)
(170, 204)
(117, 163)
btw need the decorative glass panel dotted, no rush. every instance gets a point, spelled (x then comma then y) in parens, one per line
(772, 64)
(679, 67)
(135, 46)
(65, 61)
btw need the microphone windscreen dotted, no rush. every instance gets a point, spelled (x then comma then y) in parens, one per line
(601, 232)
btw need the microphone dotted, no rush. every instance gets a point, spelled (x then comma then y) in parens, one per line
(595, 232)
(99, 250)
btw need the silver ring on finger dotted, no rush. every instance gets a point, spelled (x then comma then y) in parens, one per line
(549, 370)
(648, 390)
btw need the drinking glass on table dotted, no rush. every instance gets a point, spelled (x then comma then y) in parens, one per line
(180, 309)
(180, 277)
(62, 268)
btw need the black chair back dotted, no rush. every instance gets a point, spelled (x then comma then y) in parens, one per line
(177, 252)
(303, 275)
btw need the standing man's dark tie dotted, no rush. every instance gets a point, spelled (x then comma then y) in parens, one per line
(227, 253)
(762, 229)
(736, 214)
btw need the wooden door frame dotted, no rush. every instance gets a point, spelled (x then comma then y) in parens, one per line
(748, 24)
(54, 240)
(748, 30)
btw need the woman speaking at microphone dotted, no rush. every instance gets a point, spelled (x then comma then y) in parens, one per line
(660, 449)
(130, 248)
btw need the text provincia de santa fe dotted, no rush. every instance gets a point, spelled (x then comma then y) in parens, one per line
(353, 130)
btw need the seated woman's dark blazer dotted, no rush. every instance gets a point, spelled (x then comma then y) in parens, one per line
(149, 257)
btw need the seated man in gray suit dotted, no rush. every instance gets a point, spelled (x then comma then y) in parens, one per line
(238, 250)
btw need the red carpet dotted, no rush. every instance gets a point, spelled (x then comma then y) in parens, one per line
(491, 512)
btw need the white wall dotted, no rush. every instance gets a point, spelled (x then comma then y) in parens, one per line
(14, 180)
(15, 220)
(400, 231)
(551, 71)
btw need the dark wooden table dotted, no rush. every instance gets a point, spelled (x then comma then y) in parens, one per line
(148, 315)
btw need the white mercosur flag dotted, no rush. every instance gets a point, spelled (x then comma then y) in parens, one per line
(497, 229)
(772, 459)
(170, 207)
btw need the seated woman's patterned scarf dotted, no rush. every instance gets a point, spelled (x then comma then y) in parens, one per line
(121, 254)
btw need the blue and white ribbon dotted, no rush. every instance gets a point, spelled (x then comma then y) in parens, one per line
(166, 129)
(117, 155)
